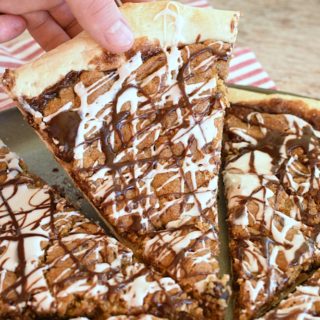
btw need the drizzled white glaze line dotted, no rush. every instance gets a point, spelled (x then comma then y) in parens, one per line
(302, 304)
(26, 199)
(177, 22)
(286, 231)
(203, 130)
(12, 162)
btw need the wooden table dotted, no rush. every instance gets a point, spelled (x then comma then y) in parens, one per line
(285, 35)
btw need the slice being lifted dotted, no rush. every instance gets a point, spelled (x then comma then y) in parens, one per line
(140, 133)
(55, 263)
(272, 181)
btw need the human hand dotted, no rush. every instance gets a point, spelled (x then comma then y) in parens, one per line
(52, 22)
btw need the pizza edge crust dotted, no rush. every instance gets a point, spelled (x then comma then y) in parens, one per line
(163, 23)
(243, 96)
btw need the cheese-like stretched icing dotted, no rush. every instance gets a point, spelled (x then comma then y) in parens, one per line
(143, 141)
(55, 262)
(272, 185)
(303, 303)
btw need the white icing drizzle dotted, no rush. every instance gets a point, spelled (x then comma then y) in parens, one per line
(66, 107)
(172, 11)
(12, 163)
(92, 118)
(303, 304)
(204, 131)
(133, 187)
(168, 245)
(37, 239)
(139, 317)
(141, 289)
(124, 317)
(279, 239)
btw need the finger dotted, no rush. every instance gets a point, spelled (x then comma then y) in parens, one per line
(27, 6)
(45, 30)
(64, 17)
(11, 26)
(103, 20)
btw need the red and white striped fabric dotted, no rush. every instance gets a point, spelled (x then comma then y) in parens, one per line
(244, 68)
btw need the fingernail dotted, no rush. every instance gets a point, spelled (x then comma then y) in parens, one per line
(119, 35)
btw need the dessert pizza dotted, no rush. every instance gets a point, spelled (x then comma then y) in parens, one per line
(272, 182)
(55, 263)
(140, 133)
(304, 303)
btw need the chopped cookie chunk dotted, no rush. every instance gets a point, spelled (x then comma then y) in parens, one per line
(140, 133)
(56, 263)
(272, 182)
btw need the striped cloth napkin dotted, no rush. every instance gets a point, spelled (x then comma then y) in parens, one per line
(245, 69)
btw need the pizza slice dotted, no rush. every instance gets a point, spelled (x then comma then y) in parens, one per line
(303, 303)
(57, 264)
(140, 133)
(272, 183)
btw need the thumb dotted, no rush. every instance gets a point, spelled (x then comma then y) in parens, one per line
(104, 22)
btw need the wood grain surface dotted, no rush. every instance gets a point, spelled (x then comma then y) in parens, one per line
(285, 35)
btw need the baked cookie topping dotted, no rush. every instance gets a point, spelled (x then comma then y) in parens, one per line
(141, 135)
(56, 263)
(304, 303)
(272, 185)
(140, 317)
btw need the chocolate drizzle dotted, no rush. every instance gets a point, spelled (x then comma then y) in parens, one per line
(41, 102)
(303, 303)
(281, 106)
(64, 128)
(153, 142)
(277, 218)
(62, 260)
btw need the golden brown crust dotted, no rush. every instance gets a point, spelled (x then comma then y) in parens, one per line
(162, 22)
(242, 95)
(305, 108)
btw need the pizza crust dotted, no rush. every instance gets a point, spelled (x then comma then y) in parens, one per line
(171, 22)
(239, 95)
(164, 22)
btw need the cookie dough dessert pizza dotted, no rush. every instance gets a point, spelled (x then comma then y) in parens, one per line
(140, 133)
(272, 182)
(55, 263)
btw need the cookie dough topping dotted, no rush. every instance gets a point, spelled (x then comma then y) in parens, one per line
(273, 185)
